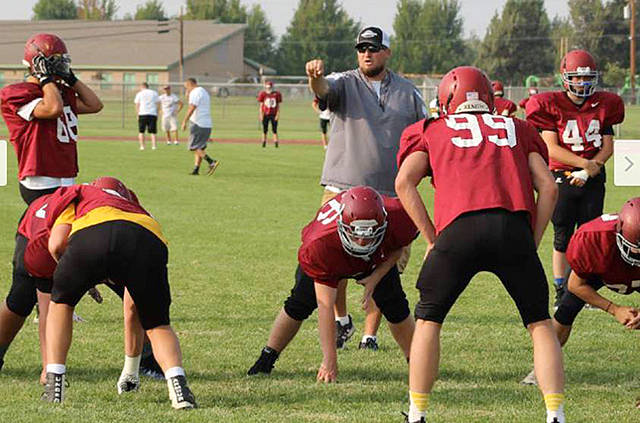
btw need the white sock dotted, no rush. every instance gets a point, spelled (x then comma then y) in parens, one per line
(173, 372)
(365, 337)
(343, 320)
(558, 415)
(56, 368)
(131, 365)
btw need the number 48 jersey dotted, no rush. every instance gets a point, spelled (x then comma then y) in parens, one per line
(579, 127)
(44, 147)
(477, 162)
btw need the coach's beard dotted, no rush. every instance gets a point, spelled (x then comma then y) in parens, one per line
(372, 73)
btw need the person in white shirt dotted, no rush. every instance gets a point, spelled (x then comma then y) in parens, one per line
(171, 106)
(199, 116)
(147, 110)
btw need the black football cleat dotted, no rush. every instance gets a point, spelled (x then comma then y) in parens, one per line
(560, 290)
(265, 362)
(406, 419)
(54, 390)
(149, 367)
(343, 333)
(369, 344)
(181, 396)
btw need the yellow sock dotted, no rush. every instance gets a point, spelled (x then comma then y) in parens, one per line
(553, 401)
(418, 405)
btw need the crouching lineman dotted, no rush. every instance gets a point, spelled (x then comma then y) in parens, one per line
(602, 252)
(357, 234)
(97, 235)
(484, 169)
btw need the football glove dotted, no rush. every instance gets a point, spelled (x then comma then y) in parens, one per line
(64, 71)
(42, 69)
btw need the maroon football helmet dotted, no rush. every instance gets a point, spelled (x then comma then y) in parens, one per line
(114, 185)
(628, 227)
(579, 63)
(465, 89)
(362, 222)
(498, 88)
(51, 47)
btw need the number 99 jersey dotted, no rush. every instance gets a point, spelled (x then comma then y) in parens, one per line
(44, 147)
(477, 162)
(580, 127)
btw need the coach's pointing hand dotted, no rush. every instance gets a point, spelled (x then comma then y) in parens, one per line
(315, 68)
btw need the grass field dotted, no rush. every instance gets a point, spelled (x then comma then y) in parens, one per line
(233, 242)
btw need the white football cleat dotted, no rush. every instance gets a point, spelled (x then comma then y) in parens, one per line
(530, 379)
(128, 383)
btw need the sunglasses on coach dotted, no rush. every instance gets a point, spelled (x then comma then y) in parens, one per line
(370, 48)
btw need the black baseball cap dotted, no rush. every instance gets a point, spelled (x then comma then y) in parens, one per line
(374, 36)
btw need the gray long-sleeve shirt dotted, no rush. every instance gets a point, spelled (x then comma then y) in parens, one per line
(365, 130)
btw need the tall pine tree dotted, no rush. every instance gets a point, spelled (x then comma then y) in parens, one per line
(319, 29)
(518, 43)
(259, 40)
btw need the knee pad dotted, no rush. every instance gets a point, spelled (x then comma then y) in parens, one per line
(302, 300)
(561, 237)
(298, 309)
(22, 295)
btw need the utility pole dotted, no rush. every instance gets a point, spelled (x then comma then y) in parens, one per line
(632, 49)
(181, 62)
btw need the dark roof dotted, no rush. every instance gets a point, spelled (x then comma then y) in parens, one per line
(116, 44)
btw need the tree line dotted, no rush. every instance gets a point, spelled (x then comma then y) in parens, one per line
(520, 40)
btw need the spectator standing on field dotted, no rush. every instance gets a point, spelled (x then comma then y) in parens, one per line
(199, 116)
(371, 106)
(147, 110)
(171, 106)
(269, 111)
(325, 116)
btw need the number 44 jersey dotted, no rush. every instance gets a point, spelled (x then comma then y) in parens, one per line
(477, 162)
(44, 147)
(580, 127)
(322, 257)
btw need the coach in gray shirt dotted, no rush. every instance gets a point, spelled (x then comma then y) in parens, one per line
(370, 108)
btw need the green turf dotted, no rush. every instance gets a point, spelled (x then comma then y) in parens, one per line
(233, 241)
(237, 117)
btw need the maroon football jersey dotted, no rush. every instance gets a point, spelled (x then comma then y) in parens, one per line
(579, 128)
(523, 102)
(44, 147)
(477, 162)
(322, 257)
(594, 254)
(33, 226)
(269, 102)
(504, 107)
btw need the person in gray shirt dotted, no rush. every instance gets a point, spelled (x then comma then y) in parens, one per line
(371, 106)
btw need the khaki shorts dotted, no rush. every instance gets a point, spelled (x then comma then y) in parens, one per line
(169, 123)
(406, 251)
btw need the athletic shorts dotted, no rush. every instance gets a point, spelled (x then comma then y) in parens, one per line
(265, 124)
(127, 254)
(496, 241)
(571, 305)
(575, 206)
(388, 296)
(324, 123)
(147, 122)
(30, 195)
(169, 123)
(22, 294)
(198, 137)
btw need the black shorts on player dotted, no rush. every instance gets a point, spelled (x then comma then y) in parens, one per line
(125, 253)
(22, 295)
(147, 122)
(570, 305)
(265, 124)
(496, 241)
(324, 123)
(575, 206)
(30, 195)
(388, 296)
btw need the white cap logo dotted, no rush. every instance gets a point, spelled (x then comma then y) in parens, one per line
(368, 34)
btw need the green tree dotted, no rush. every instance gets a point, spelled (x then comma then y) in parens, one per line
(151, 10)
(97, 10)
(54, 9)
(562, 34)
(517, 42)
(259, 41)
(587, 17)
(407, 42)
(224, 11)
(319, 29)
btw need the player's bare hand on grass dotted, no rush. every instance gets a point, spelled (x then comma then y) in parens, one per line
(328, 372)
(315, 68)
(627, 315)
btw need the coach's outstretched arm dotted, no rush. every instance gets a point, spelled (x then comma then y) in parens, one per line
(317, 82)
(547, 190)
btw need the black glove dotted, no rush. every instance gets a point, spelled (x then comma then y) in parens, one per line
(66, 74)
(42, 69)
